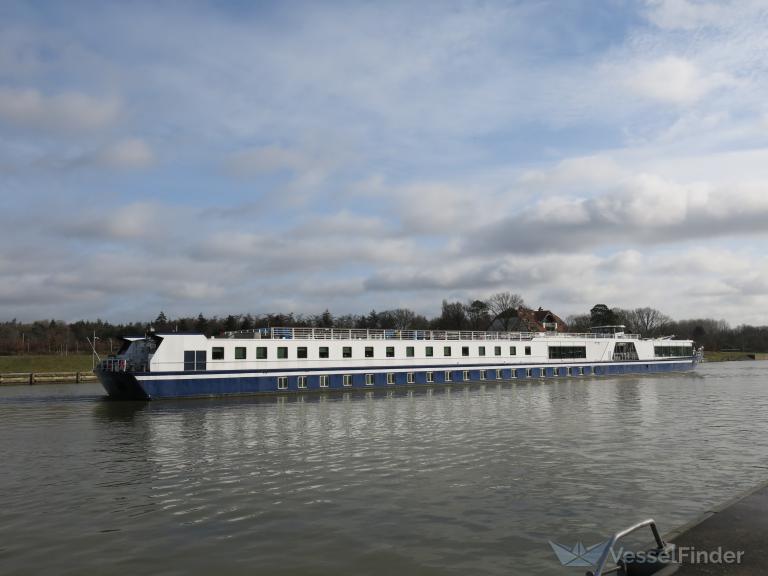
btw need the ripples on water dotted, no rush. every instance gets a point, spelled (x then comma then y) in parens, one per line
(465, 480)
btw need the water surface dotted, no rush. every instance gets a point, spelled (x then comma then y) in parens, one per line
(459, 480)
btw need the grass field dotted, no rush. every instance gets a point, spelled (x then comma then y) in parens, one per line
(71, 363)
(725, 356)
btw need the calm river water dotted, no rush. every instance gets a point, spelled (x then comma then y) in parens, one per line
(467, 480)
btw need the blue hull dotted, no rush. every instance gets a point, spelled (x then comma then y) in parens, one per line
(146, 386)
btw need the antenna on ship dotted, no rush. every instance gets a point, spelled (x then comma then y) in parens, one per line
(95, 356)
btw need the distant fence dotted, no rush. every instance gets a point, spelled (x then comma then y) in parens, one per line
(16, 378)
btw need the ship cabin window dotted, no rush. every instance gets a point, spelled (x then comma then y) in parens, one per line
(390, 351)
(527, 350)
(301, 381)
(430, 377)
(446, 350)
(481, 351)
(324, 381)
(346, 352)
(282, 352)
(390, 378)
(465, 375)
(430, 351)
(566, 352)
(369, 379)
(528, 372)
(513, 350)
(323, 352)
(669, 351)
(410, 352)
(448, 377)
(217, 353)
(410, 378)
(483, 374)
(498, 374)
(239, 352)
(369, 351)
(465, 350)
(261, 352)
(194, 360)
(301, 352)
(346, 380)
(513, 373)
(497, 350)
(282, 382)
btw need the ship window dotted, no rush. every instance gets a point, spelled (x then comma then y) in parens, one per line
(200, 356)
(448, 376)
(346, 352)
(483, 374)
(498, 374)
(390, 378)
(430, 377)
(497, 350)
(465, 350)
(566, 352)
(527, 350)
(430, 351)
(513, 373)
(528, 372)
(346, 380)
(301, 352)
(282, 352)
(465, 375)
(409, 351)
(240, 353)
(390, 351)
(369, 351)
(189, 359)
(669, 351)
(261, 352)
(323, 352)
(410, 378)
(282, 382)
(217, 353)
(481, 351)
(369, 379)
(446, 350)
(324, 381)
(513, 350)
(301, 381)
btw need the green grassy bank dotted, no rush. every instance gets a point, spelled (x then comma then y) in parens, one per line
(48, 363)
(727, 356)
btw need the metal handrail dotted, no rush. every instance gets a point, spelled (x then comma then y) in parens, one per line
(280, 333)
(618, 536)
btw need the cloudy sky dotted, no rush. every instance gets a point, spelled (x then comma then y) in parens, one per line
(230, 157)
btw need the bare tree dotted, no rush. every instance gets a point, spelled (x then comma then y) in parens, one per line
(402, 318)
(503, 307)
(648, 321)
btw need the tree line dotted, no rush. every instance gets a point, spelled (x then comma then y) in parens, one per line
(499, 312)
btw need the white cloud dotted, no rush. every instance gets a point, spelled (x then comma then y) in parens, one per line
(131, 153)
(685, 14)
(64, 111)
(675, 80)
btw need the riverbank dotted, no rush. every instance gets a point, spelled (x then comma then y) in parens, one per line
(46, 363)
(737, 528)
(731, 356)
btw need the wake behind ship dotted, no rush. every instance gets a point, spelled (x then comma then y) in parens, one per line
(295, 360)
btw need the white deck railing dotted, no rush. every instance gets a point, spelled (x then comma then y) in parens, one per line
(386, 334)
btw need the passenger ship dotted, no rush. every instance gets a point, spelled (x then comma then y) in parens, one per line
(296, 360)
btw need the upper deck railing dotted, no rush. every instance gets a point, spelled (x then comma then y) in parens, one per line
(387, 334)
